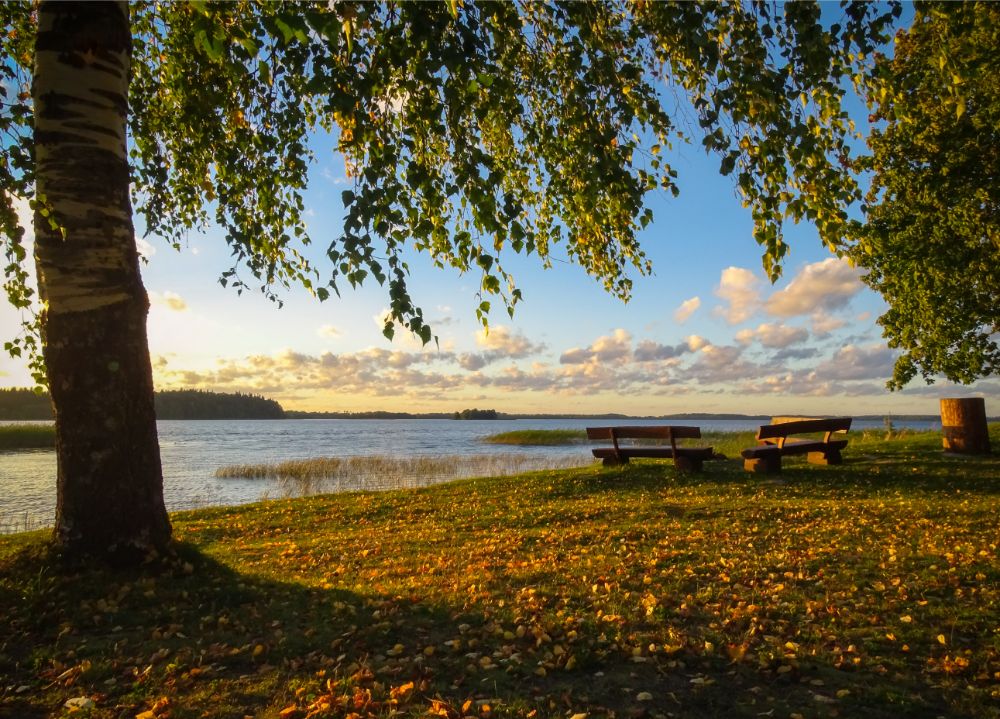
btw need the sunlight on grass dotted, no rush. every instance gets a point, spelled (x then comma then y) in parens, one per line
(867, 589)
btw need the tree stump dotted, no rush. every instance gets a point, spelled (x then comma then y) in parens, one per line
(963, 425)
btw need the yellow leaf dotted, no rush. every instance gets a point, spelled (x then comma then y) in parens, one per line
(736, 652)
(941, 639)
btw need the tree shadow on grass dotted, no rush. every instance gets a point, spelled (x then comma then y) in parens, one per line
(195, 637)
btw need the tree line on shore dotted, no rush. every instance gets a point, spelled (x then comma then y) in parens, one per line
(22, 403)
(27, 404)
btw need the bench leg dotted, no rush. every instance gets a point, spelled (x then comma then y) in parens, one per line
(688, 464)
(830, 456)
(614, 461)
(763, 465)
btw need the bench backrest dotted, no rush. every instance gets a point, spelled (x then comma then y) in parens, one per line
(803, 426)
(661, 432)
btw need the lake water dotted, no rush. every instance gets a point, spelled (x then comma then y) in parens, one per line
(191, 452)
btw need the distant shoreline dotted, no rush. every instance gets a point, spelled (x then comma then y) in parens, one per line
(23, 404)
(293, 414)
(763, 418)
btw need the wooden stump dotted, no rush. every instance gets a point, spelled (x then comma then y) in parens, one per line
(963, 425)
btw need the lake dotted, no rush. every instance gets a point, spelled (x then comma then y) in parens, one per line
(191, 451)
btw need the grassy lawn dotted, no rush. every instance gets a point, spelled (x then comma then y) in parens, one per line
(27, 436)
(866, 590)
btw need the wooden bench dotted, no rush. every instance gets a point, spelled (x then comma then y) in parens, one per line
(685, 458)
(773, 442)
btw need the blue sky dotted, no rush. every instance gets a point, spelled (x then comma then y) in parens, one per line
(705, 333)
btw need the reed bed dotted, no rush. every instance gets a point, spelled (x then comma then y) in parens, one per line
(27, 436)
(14, 522)
(303, 477)
(538, 437)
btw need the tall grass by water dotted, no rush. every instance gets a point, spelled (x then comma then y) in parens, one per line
(14, 522)
(538, 437)
(27, 436)
(303, 477)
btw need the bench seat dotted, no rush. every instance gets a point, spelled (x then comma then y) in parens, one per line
(685, 458)
(775, 441)
(655, 452)
(794, 446)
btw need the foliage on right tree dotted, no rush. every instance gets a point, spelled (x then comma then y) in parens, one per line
(931, 239)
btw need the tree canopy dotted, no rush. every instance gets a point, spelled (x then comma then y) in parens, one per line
(930, 242)
(470, 130)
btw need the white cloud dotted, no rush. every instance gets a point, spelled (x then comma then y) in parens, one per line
(825, 285)
(145, 248)
(502, 341)
(739, 288)
(498, 343)
(824, 323)
(695, 342)
(688, 307)
(168, 299)
(774, 336)
(328, 332)
(609, 348)
(647, 351)
(716, 364)
(618, 345)
(858, 363)
(471, 361)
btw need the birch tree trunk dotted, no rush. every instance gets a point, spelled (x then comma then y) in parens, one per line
(110, 485)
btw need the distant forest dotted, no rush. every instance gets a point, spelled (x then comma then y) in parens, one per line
(196, 404)
(476, 414)
(20, 404)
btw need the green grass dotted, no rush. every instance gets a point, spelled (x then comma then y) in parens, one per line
(538, 437)
(27, 436)
(871, 589)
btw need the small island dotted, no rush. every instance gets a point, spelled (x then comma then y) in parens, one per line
(476, 414)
